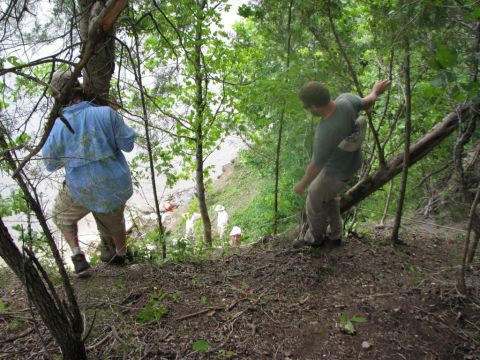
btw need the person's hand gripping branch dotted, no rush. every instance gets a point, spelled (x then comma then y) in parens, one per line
(378, 89)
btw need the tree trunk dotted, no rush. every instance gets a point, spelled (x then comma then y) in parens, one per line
(54, 317)
(138, 78)
(422, 147)
(277, 170)
(99, 69)
(387, 203)
(199, 119)
(69, 311)
(282, 120)
(406, 155)
(461, 275)
(473, 248)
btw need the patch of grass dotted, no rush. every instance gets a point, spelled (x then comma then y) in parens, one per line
(155, 309)
(176, 294)
(17, 325)
(3, 280)
(416, 276)
(226, 354)
(197, 282)
(119, 284)
(152, 311)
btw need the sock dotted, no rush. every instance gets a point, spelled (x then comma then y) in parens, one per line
(76, 251)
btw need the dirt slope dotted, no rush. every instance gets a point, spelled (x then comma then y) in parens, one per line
(272, 302)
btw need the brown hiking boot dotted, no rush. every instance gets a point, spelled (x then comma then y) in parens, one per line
(80, 265)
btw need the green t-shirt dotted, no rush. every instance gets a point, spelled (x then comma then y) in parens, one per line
(338, 164)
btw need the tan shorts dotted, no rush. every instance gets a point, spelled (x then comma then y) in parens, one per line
(67, 213)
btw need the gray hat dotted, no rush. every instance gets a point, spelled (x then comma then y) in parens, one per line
(60, 78)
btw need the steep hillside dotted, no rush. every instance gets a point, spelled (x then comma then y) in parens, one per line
(268, 301)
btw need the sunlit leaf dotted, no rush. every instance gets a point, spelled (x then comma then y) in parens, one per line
(200, 346)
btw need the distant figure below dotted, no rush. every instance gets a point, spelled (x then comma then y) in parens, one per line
(336, 158)
(97, 174)
(235, 235)
(222, 220)
(190, 225)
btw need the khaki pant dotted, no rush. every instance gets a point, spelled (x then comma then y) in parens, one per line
(323, 208)
(67, 213)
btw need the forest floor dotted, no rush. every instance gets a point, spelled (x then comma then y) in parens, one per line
(269, 301)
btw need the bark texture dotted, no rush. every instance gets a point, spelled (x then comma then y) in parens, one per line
(54, 317)
(421, 148)
(99, 69)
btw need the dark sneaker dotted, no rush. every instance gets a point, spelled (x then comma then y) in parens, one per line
(80, 264)
(106, 253)
(107, 249)
(300, 239)
(333, 243)
(121, 260)
(307, 239)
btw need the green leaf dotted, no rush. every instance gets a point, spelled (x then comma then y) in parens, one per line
(434, 64)
(446, 56)
(343, 319)
(358, 319)
(153, 311)
(13, 60)
(200, 346)
(438, 81)
(350, 328)
(22, 139)
(474, 15)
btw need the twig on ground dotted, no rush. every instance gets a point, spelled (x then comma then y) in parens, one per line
(300, 303)
(117, 337)
(98, 343)
(212, 308)
(457, 332)
(19, 336)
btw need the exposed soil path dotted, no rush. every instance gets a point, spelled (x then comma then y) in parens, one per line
(272, 302)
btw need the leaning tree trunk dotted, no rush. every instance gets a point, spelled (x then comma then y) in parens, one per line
(52, 313)
(61, 314)
(461, 275)
(420, 149)
(62, 319)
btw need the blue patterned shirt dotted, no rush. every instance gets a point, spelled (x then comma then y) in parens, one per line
(97, 172)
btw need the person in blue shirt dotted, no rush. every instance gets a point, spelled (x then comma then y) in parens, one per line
(97, 176)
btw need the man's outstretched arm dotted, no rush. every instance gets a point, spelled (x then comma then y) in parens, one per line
(378, 89)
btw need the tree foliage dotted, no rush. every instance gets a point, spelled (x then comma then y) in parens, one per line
(187, 83)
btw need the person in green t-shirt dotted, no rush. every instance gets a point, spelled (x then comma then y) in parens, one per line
(336, 158)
